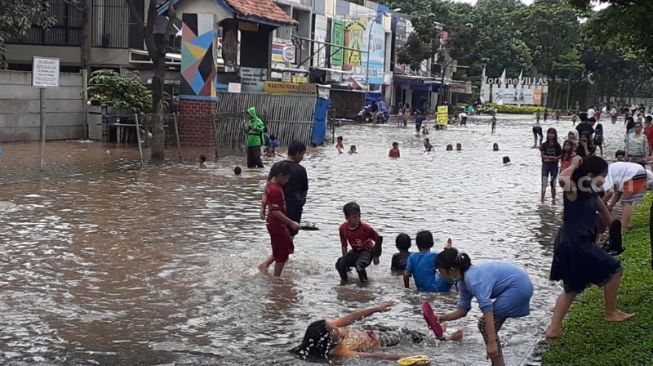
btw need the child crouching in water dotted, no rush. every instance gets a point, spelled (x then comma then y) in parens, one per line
(364, 240)
(325, 339)
(421, 266)
(502, 290)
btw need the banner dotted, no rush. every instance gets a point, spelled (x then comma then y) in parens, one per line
(276, 87)
(443, 115)
(320, 34)
(376, 54)
(337, 39)
(353, 40)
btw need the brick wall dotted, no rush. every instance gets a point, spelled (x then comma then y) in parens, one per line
(196, 122)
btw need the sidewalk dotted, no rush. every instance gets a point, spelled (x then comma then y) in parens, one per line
(587, 339)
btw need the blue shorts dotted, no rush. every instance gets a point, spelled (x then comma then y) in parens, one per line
(549, 169)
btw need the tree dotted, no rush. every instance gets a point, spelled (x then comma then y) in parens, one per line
(414, 52)
(157, 47)
(17, 17)
(124, 92)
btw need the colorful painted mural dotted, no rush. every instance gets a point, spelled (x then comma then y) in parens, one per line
(198, 56)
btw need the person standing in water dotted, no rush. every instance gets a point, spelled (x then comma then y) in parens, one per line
(501, 289)
(296, 189)
(493, 122)
(537, 134)
(577, 260)
(551, 152)
(254, 129)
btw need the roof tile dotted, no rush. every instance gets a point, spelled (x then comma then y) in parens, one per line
(264, 9)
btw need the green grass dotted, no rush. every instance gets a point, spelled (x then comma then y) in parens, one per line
(587, 339)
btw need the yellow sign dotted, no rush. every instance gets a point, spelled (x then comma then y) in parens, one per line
(443, 115)
(277, 87)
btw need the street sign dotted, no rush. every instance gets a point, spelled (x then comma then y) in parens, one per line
(45, 72)
(443, 115)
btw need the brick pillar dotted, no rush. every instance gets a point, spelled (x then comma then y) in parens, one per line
(196, 122)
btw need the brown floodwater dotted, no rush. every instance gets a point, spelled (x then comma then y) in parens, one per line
(104, 263)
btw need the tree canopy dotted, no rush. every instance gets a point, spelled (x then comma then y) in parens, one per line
(17, 17)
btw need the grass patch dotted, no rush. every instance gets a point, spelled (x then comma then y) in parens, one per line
(587, 339)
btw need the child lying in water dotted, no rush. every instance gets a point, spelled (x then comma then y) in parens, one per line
(325, 339)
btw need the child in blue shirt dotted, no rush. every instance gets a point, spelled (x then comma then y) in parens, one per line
(421, 266)
(502, 290)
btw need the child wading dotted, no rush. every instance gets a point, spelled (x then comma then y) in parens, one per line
(365, 244)
(502, 290)
(551, 152)
(399, 260)
(577, 260)
(421, 266)
(278, 224)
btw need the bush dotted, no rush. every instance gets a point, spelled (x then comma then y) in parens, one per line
(123, 92)
(515, 109)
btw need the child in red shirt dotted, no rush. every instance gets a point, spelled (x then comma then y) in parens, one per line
(278, 223)
(394, 152)
(365, 244)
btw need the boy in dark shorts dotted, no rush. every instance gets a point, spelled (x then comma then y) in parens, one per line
(278, 223)
(400, 259)
(364, 240)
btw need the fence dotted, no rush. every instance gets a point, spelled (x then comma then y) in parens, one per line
(288, 117)
(19, 108)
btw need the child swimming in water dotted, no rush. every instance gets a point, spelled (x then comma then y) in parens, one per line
(352, 150)
(340, 146)
(325, 339)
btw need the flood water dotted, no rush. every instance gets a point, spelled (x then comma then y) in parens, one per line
(103, 263)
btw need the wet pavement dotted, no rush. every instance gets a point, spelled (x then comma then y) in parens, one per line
(104, 263)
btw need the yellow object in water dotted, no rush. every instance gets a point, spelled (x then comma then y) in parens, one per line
(420, 360)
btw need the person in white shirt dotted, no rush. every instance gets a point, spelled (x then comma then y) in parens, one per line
(591, 112)
(627, 182)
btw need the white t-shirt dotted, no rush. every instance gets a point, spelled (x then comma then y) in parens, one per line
(590, 113)
(621, 172)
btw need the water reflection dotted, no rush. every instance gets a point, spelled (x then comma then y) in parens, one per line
(105, 264)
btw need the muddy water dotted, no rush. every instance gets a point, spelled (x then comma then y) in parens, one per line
(106, 264)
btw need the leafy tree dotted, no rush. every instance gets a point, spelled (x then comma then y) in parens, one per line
(123, 92)
(17, 17)
(414, 52)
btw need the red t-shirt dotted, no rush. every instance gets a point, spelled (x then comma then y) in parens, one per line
(363, 237)
(394, 153)
(274, 199)
(648, 131)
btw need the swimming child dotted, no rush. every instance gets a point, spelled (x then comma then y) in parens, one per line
(325, 339)
(501, 289)
(394, 152)
(364, 240)
(400, 259)
(506, 160)
(203, 161)
(237, 170)
(551, 151)
(577, 260)
(352, 150)
(459, 147)
(495, 147)
(421, 266)
(278, 224)
(340, 146)
(427, 145)
(449, 147)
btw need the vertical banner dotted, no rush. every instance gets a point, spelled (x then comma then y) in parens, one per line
(443, 115)
(376, 54)
(337, 39)
(353, 40)
(319, 49)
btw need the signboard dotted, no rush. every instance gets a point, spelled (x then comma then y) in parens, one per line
(283, 51)
(320, 34)
(276, 87)
(353, 40)
(376, 54)
(443, 114)
(45, 72)
(338, 39)
(252, 79)
(234, 88)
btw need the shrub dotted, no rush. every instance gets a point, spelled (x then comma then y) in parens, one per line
(515, 109)
(123, 92)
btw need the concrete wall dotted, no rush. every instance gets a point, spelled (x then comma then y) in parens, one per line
(19, 108)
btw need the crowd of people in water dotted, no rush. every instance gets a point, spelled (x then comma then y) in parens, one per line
(584, 251)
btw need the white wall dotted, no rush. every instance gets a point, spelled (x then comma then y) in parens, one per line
(19, 108)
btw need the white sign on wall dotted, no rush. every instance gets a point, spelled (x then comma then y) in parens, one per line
(252, 79)
(45, 72)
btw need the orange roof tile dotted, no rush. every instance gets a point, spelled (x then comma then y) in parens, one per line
(264, 9)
